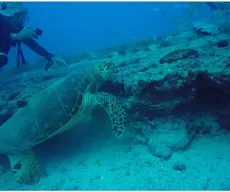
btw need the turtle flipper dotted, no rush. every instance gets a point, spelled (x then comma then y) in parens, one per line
(114, 109)
(25, 167)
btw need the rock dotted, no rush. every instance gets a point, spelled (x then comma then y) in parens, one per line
(170, 135)
(223, 43)
(179, 167)
(159, 150)
(141, 140)
(178, 140)
(179, 54)
(204, 29)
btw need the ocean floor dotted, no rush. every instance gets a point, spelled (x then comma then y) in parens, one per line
(91, 158)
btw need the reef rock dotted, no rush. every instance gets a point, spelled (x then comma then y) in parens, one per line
(176, 77)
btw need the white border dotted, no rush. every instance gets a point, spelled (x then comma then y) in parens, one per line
(198, 1)
(115, 1)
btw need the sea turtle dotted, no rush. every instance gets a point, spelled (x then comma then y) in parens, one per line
(54, 110)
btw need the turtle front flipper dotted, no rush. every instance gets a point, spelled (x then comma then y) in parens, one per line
(25, 167)
(114, 109)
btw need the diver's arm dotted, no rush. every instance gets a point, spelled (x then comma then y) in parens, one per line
(15, 37)
(26, 35)
(32, 44)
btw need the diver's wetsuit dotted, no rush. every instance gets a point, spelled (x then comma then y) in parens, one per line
(6, 43)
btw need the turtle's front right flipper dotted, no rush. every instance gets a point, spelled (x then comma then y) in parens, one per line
(114, 109)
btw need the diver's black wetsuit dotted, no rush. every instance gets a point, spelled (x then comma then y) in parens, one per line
(6, 43)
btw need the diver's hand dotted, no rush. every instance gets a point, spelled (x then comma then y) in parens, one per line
(57, 61)
(27, 32)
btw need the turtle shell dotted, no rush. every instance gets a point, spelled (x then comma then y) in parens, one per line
(46, 113)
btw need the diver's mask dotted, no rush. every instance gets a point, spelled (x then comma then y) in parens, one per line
(20, 18)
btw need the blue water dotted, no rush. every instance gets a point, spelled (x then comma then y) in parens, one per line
(74, 27)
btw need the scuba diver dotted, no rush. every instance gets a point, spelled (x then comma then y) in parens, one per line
(13, 32)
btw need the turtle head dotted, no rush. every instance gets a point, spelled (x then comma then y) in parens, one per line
(105, 71)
